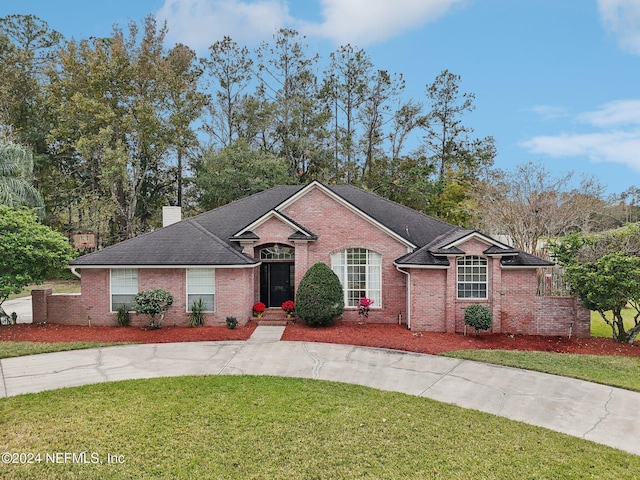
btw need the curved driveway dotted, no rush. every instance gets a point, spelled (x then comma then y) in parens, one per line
(594, 412)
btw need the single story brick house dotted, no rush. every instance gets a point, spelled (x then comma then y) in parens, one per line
(419, 271)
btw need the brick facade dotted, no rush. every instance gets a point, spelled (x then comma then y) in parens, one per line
(511, 295)
(424, 297)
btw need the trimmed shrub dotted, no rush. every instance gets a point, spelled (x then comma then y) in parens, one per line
(155, 301)
(320, 298)
(478, 317)
(232, 323)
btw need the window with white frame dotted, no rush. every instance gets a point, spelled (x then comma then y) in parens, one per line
(124, 287)
(472, 277)
(201, 285)
(278, 252)
(360, 272)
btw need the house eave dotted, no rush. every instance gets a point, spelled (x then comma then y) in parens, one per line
(524, 267)
(113, 266)
(420, 266)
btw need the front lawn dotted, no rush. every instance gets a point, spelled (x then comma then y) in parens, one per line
(617, 371)
(280, 428)
(57, 286)
(19, 349)
(600, 329)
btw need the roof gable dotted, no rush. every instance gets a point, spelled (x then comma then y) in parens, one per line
(300, 232)
(363, 213)
(463, 236)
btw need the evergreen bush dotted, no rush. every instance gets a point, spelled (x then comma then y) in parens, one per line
(232, 323)
(320, 298)
(478, 317)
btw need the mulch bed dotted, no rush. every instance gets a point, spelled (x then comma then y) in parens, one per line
(74, 333)
(370, 335)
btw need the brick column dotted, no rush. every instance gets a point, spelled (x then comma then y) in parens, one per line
(451, 295)
(301, 262)
(39, 298)
(496, 294)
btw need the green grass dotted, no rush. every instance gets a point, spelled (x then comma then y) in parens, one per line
(58, 286)
(19, 349)
(600, 329)
(244, 427)
(617, 371)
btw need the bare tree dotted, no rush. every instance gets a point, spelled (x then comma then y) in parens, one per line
(529, 205)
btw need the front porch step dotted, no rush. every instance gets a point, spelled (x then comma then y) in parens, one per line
(273, 318)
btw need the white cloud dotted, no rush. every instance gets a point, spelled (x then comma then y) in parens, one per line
(199, 23)
(619, 112)
(616, 140)
(622, 17)
(616, 147)
(362, 22)
(549, 112)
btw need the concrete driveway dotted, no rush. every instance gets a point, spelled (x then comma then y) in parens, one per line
(594, 412)
(22, 306)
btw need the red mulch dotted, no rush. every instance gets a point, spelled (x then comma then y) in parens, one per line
(73, 333)
(399, 338)
(370, 335)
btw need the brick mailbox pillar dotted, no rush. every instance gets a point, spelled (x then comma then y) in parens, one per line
(39, 299)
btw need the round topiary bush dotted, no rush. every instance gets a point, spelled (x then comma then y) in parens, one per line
(319, 299)
(478, 317)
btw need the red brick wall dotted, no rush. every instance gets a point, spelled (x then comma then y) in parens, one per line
(434, 306)
(511, 296)
(92, 307)
(39, 297)
(66, 309)
(339, 228)
(428, 300)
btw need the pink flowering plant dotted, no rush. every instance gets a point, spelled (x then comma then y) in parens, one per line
(364, 304)
(288, 306)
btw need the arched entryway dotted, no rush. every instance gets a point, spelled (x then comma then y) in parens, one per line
(277, 274)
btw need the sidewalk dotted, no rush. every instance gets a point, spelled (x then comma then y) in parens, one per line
(595, 412)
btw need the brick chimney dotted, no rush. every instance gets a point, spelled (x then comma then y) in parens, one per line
(171, 215)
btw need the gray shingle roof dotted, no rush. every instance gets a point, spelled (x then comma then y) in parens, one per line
(183, 243)
(206, 239)
(415, 227)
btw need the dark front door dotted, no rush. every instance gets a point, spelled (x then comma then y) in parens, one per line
(276, 283)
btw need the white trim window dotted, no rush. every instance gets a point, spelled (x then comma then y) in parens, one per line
(124, 287)
(472, 277)
(360, 272)
(201, 285)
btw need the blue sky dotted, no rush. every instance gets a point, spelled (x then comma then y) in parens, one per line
(557, 82)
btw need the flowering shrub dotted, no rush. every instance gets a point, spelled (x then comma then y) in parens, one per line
(259, 308)
(155, 301)
(288, 306)
(363, 306)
